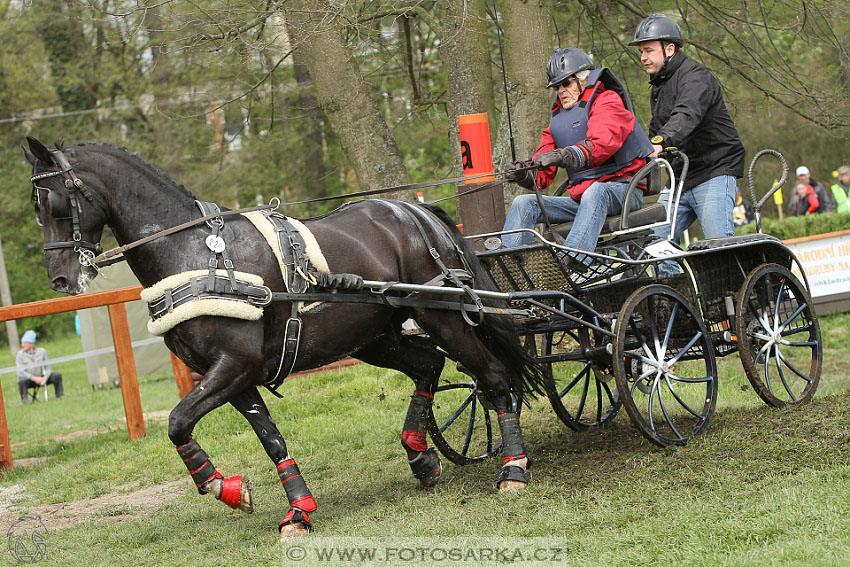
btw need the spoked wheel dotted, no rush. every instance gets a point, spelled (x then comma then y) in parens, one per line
(664, 365)
(463, 426)
(778, 336)
(582, 394)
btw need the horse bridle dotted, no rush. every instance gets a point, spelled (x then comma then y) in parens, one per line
(66, 207)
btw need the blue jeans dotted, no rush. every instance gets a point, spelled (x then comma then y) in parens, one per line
(711, 202)
(597, 202)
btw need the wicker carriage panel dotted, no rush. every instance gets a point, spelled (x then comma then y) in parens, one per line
(526, 270)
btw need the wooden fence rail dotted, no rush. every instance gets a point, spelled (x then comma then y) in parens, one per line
(114, 300)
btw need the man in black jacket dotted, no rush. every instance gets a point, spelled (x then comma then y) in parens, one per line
(688, 113)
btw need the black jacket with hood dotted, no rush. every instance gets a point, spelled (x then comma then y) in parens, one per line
(689, 113)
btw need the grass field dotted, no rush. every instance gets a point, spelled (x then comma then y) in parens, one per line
(761, 487)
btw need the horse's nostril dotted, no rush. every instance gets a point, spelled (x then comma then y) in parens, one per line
(59, 283)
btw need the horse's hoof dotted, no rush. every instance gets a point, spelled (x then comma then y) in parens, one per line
(431, 479)
(513, 476)
(246, 500)
(293, 530)
(427, 468)
(233, 491)
(511, 485)
(297, 523)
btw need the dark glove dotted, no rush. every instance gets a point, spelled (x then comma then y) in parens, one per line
(571, 158)
(522, 177)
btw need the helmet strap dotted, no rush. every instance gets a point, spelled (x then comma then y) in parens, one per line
(667, 58)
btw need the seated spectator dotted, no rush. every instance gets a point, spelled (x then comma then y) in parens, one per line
(33, 369)
(803, 201)
(826, 204)
(841, 190)
(742, 212)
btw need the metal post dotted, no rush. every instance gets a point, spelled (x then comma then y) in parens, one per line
(6, 297)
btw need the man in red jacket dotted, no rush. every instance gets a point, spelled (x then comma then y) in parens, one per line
(592, 134)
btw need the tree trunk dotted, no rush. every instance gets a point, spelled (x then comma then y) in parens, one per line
(343, 95)
(528, 33)
(311, 126)
(468, 67)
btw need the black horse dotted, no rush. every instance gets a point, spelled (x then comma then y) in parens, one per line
(77, 190)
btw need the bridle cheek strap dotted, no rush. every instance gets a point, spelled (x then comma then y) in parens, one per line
(87, 250)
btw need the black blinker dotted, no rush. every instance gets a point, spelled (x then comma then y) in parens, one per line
(59, 205)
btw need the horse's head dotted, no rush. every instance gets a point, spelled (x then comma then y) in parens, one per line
(72, 223)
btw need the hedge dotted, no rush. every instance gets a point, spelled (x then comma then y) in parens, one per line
(796, 227)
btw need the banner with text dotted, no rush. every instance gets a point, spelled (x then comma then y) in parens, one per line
(826, 261)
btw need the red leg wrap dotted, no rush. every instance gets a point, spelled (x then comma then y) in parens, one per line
(296, 516)
(231, 490)
(296, 489)
(508, 459)
(305, 503)
(415, 440)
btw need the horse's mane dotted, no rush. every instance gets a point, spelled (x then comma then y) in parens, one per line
(135, 157)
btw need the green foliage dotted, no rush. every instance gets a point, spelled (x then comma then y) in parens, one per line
(153, 80)
(798, 227)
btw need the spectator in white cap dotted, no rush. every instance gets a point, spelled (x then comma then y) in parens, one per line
(826, 204)
(34, 368)
(841, 190)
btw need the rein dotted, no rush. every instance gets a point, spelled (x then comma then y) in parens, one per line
(114, 255)
(104, 259)
(406, 187)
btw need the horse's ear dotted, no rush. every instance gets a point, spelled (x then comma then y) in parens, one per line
(37, 150)
(28, 154)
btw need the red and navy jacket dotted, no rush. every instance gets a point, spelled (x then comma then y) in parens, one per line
(603, 119)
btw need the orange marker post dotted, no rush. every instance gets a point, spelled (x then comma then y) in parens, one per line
(475, 151)
(482, 211)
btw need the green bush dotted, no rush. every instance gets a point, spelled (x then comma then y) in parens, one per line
(796, 227)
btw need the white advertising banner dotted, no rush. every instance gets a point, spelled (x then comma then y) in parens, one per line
(826, 259)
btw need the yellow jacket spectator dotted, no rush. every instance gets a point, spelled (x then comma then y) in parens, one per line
(841, 190)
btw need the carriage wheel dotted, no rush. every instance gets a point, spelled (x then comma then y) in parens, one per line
(581, 393)
(664, 365)
(778, 336)
(462, 424)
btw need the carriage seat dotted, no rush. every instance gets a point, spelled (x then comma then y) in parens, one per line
(712, 243)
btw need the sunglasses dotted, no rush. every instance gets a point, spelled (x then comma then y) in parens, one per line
(565, 83)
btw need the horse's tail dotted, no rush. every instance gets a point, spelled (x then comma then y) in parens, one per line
(498, 331)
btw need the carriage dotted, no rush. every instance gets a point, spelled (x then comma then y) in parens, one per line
(619, 335)
(245, 297)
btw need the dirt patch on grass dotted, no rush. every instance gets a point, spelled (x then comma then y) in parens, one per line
(120, 506)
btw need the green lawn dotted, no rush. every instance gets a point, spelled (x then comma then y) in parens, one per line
(761, 487)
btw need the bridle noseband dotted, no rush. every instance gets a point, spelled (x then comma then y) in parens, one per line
(60, 207)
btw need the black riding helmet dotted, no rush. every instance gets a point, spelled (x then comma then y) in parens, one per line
(658, 27)
(565, 62)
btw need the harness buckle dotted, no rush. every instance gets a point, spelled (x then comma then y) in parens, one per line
(261, 301)
(434, 254)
